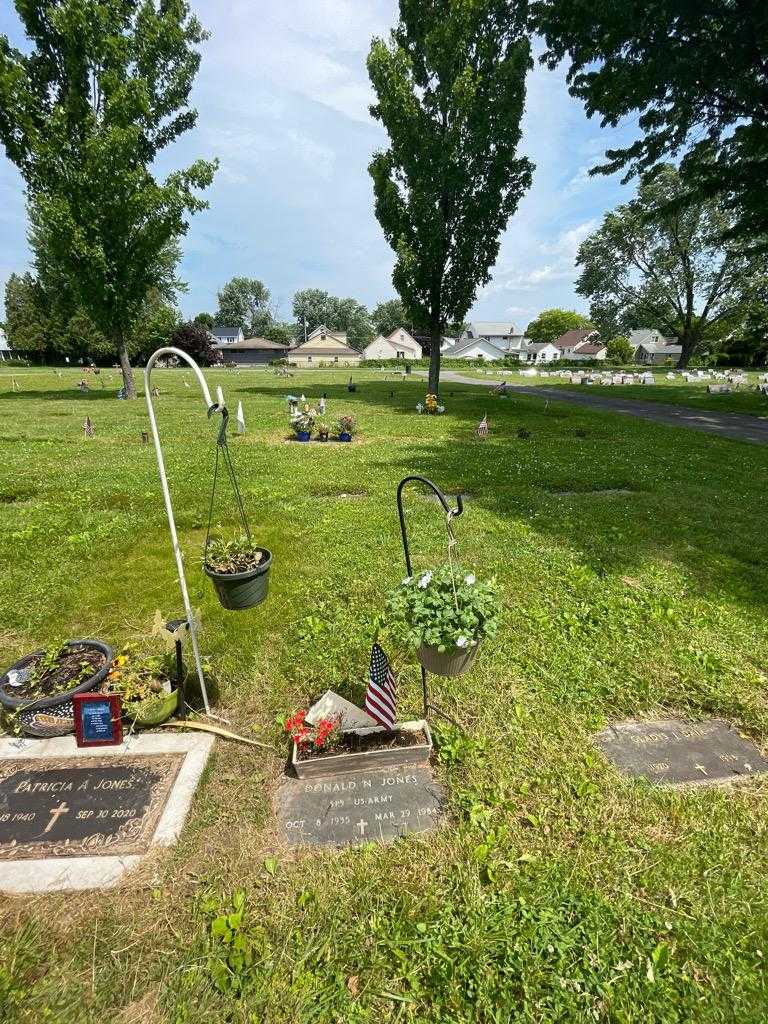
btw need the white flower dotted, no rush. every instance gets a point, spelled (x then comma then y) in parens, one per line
(424, 581)
(470, 578)
(406, 581)
(462, 641)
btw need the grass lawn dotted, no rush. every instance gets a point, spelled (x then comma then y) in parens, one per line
(631, 558)
(745, 400)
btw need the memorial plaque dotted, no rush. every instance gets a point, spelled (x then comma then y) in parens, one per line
(359, 807)
(95, 806)
(672, 751)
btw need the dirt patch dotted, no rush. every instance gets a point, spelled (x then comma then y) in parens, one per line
(599, 492)
(73, 665)
(354, 743)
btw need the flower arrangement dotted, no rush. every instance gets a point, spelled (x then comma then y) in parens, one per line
(346, 425)
(144, 684)
(303, 420)
(446, 609)
(322, 736)
(431, 406)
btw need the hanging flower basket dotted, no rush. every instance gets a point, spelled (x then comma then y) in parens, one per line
(238, 590)
(453, 662)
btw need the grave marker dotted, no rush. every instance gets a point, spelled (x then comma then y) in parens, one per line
(359, 807)
(675, 752)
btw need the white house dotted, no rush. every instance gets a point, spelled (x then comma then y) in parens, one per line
(649, 335)
(651, 352)
(589, 350)
(572, 340)
(541, 352)
(5, 348)
(226, 335)
(398, 345)
(447, 345)
(489, 330)
(481, 348)
(324, 347)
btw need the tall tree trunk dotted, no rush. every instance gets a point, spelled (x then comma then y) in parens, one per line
(127, 370)
(689, 342)
(436, 339)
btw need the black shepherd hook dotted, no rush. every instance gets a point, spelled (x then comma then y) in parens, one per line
(454, 513)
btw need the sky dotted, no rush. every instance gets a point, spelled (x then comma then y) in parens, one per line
(283, 98)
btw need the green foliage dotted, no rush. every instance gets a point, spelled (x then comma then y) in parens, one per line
(446, 608)
(450, 90)
(27, 324)
(230, 556)
(244, 303)
(388, 316)
(654, 262)
(619, 351)
(206, 319)
(234, 944)
(317, 308)
(100, 90)
(692, 76)
(550, 324)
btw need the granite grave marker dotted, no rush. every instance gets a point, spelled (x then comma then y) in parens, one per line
(359, 807)
(672, 751)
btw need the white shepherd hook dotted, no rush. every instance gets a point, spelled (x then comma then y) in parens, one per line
(210, 408)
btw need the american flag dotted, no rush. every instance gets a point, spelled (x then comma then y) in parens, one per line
(88, 427)
(482, 427)
(380, 699)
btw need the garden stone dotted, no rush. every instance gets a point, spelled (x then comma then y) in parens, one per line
(331, 704)
(676, 752)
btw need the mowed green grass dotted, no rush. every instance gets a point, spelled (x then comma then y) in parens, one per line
(631, 562)
(744, 398)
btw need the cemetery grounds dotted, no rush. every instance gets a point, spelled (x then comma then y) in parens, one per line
(631, 560)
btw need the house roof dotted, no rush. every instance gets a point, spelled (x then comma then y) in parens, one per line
(468, 343)
(225, 332)
(653, 347)
(255, 344)
(321, 329)
(574, 337)
(492, 328)
(537, 346)
(589, 350)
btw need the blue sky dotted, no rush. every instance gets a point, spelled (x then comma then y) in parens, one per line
(283, 99)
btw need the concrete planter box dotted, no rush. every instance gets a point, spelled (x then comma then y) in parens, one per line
(340, 764)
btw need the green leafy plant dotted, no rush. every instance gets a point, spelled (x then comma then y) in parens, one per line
(231, 556)
(303, 421)
(141, 679)
(233, 944)
(445, 608)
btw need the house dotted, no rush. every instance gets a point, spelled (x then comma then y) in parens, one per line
(642, 335)
(541, 352)
(655, 353)
(482, 348)
(398, 345)
(447, 345)
(571, 340)
(488, 330)
(227, 335)
(324, 347)
(5, 348)
(252, 351)
(588, 350)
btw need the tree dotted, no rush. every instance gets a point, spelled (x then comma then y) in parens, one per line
(619, 350)
(244, 303)
(314, 307)
(654, 263)
(450, 90)
(206, 320)
(553, 323)
(694, 75)
(27, 316)
(154, 327)
(388, 316)
(283, 334)
(195, 339)
(102, 89)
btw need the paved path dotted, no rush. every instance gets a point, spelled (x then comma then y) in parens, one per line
(724, 424)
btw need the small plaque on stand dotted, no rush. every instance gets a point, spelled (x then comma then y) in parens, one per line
(98, 719)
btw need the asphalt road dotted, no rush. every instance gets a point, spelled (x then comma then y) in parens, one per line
(725, 424)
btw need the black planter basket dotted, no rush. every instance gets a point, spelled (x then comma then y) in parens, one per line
(12, 703)
(240, 590)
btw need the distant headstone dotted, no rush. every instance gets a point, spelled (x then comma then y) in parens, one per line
(671, 751)
(359, 807)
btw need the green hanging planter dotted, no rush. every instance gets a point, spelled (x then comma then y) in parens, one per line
(240, 590)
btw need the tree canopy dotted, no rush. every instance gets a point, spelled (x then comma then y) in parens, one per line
(552, 323)
(450, 91)
(388, 316)
(652, 263)
(244, 303)
(195, 339)
(85, 110)
(316, 307)
(695, 75)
